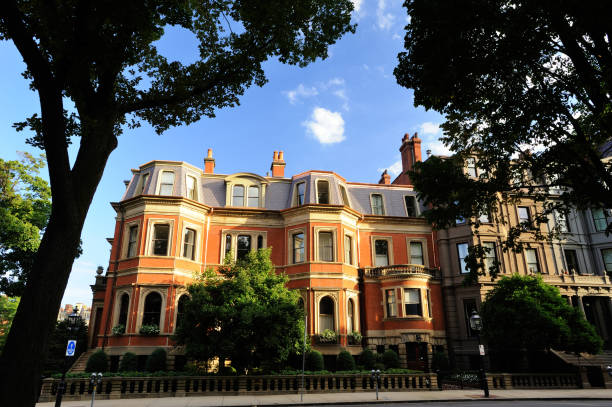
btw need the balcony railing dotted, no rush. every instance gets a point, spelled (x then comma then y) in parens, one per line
(399, 270)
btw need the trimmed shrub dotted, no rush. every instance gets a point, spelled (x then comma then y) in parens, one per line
(439, 361)
(367, 359)
(227, 371)
(129, 362)
(156, 361)
(314, 361)
(391, 359)
(97, 362)
(345, 361)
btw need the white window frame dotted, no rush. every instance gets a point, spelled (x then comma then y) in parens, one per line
(334, 232)
(382, 199)
(342, 187)
(461, 260)
(195, 187)
(144, 291)
(159, 182)
(258, 187)
(142, 181)
(389, 240)
(117, 307)
(126, 239)
(386, 304)
(198, 236)
(494, 255)
(316, 182)
(290, 234)
(537, 258)
(244, 192)
(234, 234)
(318, 296)
(150, 235)
(417, 212)
(353, 247)
(405, 301)
(424, 250)
(295, 194)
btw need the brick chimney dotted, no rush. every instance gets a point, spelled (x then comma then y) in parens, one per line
(278, 164)
(209, 163)
(385, 178)
(411, 153)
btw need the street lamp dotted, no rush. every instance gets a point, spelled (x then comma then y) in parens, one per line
(72, 328)
(476, 325)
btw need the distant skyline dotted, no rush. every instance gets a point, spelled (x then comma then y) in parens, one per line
(345, 114)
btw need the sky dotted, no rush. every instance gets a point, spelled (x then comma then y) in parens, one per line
(345, 114)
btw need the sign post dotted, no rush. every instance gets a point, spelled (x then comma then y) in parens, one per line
(71, 347)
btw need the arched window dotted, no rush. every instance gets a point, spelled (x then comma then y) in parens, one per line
(350, 312)
(180, 309)
(152, 309)
(260, 242)
(238, 195)
(123, 309)
(326, 314)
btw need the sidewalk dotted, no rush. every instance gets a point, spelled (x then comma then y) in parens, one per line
(343, 398)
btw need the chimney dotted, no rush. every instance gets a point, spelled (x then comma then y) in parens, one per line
(411, 153)
(278, 164)
(209, 163)
(385, 178)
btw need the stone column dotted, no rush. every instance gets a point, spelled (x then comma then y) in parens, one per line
(581, 305)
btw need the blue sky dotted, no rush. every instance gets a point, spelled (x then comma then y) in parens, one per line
(345, 114)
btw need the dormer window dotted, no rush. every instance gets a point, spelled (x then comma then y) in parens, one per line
(143, 182)
(253, 198)
(238, 195)
(191, 188)
(166, 186)
(471, 166)
(377, 204)
(322, 192)
(344, 195)
(300, 193)
(411, 205)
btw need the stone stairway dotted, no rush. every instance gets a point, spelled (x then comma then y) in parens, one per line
(79, 365)
(586, 359)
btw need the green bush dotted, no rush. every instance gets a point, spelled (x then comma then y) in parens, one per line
(149, 330)
(314, 360)
(328, 336)
(97, 362)
(118, 329)
(355, 338)
(227, 371)
(367, 359)
(156, 361)
(391, 359)
(345, 361)
(129, 362)
(379, 366)
(439, 361)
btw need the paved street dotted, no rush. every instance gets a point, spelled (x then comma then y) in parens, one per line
(447, 398)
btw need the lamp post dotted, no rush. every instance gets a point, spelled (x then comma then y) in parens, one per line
(476, 325)
(73, 327)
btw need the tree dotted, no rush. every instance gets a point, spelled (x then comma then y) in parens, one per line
(102, 57)
(8, 307)
(524, 313)
(25, 205)
(244, 314)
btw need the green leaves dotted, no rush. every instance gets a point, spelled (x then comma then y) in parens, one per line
(244, 314)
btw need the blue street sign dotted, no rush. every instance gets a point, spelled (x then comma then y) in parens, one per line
(71, 347)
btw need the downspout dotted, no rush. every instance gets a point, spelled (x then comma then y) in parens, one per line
(361, 284)
(116, 268)
(206, 241)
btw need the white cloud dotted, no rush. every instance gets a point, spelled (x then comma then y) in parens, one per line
(341, 93)
(396, 36)
(384, 20)
(366, 67)
(300, 92)
(326, 126)
(429, 128)
(394, 169)
(436, 147)
(357, 5)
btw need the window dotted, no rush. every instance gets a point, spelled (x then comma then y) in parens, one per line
(599, 218)
(562, 222)
(571, 258)
(244, 246)
(412, 302)
(143, 183)
(326, 246)
(484, 218)
(381, 253)
(228, 244)
(416, 253)
(180, 309)
(259, 242)
(531, 257)
(298, 247)
(343, 194)
(161, 234)
(166, 187)
(428, 294)
(132, 241)
(411, 205)
(348, 249)
(607, 259)
(524, 218)
(300, 193)
(191, 188)
(471, 166)
(462, 252)
(238, 195)
(326, 314)
(189, 244)
(350, 313)
(469, 305)
(253, 199)
(322, 192)
(123, 310)
(490, 257)
(377, 204)
(390, 301)
(152, 309)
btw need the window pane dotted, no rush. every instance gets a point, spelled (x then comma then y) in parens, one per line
(322, 192)
(381, 251)
(471, 167)
(607, 258)
(167, 183)
(189, 244)
(412, 301)
(298, 248)
(490, 256)
(191, 188)
(345, 200)
(326, 314)
(160, 240)
(244, 246)
(391, 308)
(599, 218)
(300, 193)
(462, 251)
(571, 259)
(260, 242)
(562, 223)
(523, 213)
(123, 310)
(143, 183)
(238, 195)
(410, 206)
(253, 197)
(228, 244)
(377, 205)
(133, 241)
(152, 309)
(484, 218)
(326, 247)
(416, 253)
(531, 258)
(348, 248)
